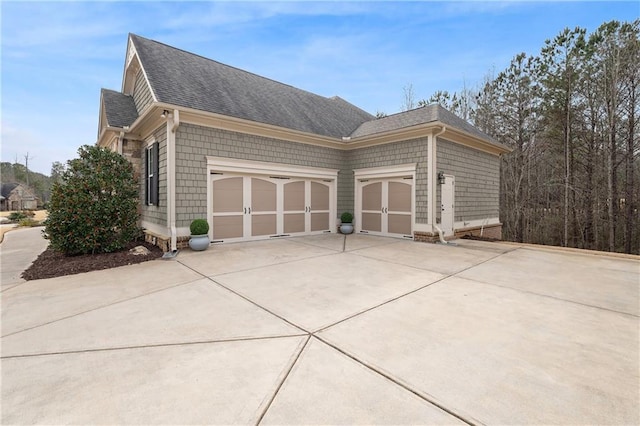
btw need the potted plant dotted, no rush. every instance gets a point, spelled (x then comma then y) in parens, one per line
(346, 225)
(199, 235)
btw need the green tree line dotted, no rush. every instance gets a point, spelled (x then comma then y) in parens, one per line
(570, 114)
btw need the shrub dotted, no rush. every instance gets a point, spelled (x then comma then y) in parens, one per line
(346, 217)
(94, 206)
(27, 221)
(17, 216)
(199, 227)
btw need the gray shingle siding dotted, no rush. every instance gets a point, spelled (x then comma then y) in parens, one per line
(413, 151)
(477, 177)
(141, 93)
(156, 214)
(194, 143)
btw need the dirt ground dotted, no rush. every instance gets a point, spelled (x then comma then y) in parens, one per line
(5, 227)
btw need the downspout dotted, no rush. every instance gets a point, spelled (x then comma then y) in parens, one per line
(120, 139)
(441, 234)
(432, 178)
(172, 125)
(120, 147)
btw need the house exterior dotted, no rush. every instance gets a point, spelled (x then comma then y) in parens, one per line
(15, 196)
(261, 159)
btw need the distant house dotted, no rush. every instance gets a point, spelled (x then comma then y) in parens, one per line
(16, 196)
(261, 159)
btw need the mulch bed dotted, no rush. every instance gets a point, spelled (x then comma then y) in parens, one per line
(52, 264)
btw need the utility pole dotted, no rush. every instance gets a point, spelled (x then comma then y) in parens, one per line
(26, 165)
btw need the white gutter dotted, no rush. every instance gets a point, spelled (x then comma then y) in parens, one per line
(173, 122)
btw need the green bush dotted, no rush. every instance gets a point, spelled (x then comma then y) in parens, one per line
(199, 227)
(94, 206)
(346, 217)
(17, 216)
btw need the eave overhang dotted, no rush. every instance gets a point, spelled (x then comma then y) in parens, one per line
(151, 119)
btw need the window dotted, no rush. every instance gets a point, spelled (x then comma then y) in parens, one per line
(152, 189)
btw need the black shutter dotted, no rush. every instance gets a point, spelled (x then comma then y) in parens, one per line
(147, 184)
(155, 187)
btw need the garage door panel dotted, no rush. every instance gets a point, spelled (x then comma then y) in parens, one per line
(372, 222)
(294, 196)
(399, 224)
(263, 195)
(399, 197)
(227, 195)
(227, 227)
(319, 221)
(294, 222)
(372, 196)
(264, 224)
(319, 196)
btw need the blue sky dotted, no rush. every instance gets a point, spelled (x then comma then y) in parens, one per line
(57, 55)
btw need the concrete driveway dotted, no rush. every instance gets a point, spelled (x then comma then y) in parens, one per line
(329, 330)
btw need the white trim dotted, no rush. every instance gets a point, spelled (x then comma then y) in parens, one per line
(155, 228)
(223, 164)
(385, 171)
(423, 227)
(476, 223)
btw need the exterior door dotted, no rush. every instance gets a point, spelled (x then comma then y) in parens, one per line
(386, 207)
(447, 203)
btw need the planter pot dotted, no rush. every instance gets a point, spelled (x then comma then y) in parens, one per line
(199, 242)
(346, 228)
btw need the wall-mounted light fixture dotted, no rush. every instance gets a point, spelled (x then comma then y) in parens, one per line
(441, 178)
(164, 114)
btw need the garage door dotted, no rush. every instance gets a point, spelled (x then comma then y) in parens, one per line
(247, 207)
(385, 206)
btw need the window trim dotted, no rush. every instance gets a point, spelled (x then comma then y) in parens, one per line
(152, 173)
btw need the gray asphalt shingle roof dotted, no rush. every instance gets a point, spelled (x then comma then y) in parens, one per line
(414, 117)
(119, 108)
(185, 79)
